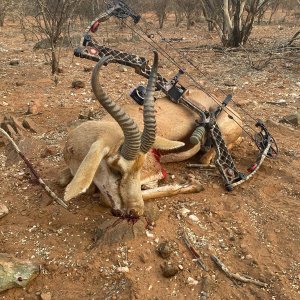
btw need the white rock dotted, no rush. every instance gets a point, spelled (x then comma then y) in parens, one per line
(192, 281)
(46, 296)
(149, 234)
(3, 210)
(194, 218)
(184, 211)
(122, 269)
(280, 101)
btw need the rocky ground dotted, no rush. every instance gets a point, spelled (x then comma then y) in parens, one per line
(253, 230)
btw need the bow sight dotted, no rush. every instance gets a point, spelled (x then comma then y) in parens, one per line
(206, 125)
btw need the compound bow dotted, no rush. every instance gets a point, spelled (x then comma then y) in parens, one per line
(92, 50)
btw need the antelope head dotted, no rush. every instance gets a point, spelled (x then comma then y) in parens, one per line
(115, 157)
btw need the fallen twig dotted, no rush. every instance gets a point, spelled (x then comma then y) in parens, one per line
(205, 288)
(200, 166)
(294, 38)
(236, 276)
(33, 171)
(194, 252)
(28, 115)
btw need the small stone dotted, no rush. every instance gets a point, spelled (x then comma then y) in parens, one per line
(249, 256)
(215, 186)
(151, 213)
(244, 246)
(149, 234)
(194, 218)
(45, 296)
(164, 249)
(232, 238)
(20, 83)
(34, 107)
(229, 83)
(30, 125)
(121, 232)
(293, 119)
(3, 210)
(148, 269)
(122, 269)
(88, 69)
(282, 102)
(14, 62)
(48, 151)
(122, 68)
(222, 245)
(144, 257)
(78, 84)
(298, 83)
(15, 272)
(169, 269)
(192, 281)
(184, 211)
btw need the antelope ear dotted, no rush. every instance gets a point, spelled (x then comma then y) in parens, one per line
(165, 144)
(86, 171)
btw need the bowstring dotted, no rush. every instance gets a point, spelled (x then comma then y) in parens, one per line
(171, 59)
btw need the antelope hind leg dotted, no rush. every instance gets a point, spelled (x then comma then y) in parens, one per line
(192, 186)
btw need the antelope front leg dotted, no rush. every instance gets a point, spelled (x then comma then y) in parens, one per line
(192, 186)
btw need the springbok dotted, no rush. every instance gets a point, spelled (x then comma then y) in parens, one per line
(121, 161)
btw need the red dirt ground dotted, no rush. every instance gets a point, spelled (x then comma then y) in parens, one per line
(254, 230)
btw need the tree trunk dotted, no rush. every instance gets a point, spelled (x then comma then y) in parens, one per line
(273, 11)
(161, 20)
(236, 31)
(227, 24)
(210, 26)
(54, 62)
(189, 23)
(178, 18)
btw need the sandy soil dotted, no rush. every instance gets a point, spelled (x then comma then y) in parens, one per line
(254, 230)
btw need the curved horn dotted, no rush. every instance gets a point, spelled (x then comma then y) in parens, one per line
(130, 129)
(149, 132)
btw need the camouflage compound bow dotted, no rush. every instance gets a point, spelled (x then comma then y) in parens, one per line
(206, 124)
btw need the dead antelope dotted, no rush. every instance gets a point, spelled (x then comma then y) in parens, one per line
(120, 160)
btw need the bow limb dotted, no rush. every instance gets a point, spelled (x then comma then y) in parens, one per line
(100, 19)
(258, 165)
(118, 9)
